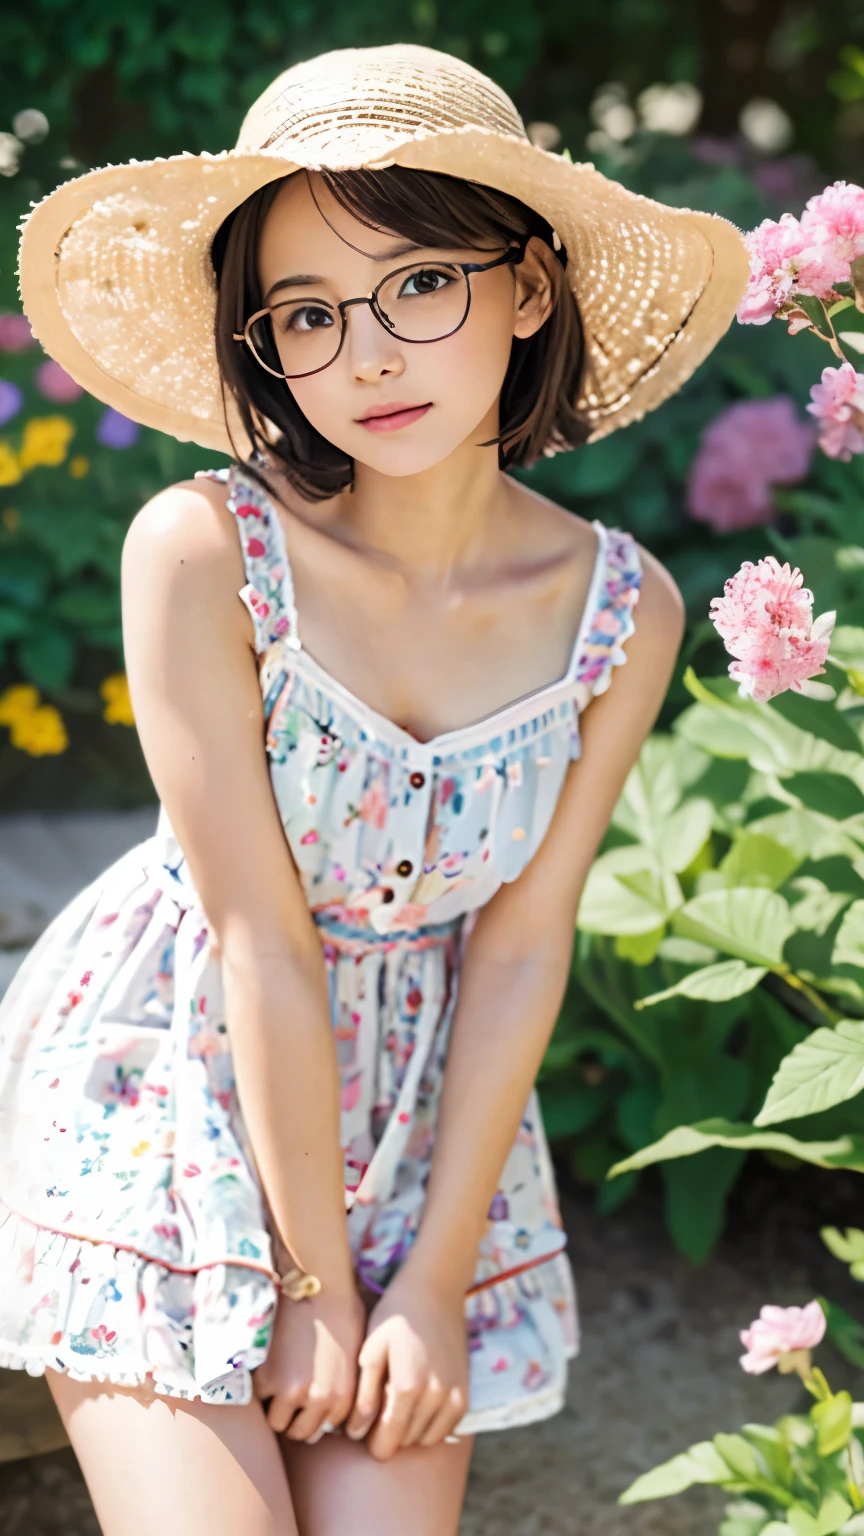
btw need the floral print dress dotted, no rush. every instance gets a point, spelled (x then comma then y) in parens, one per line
(134, 1240)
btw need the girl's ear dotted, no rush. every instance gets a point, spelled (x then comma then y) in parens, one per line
(536, 288)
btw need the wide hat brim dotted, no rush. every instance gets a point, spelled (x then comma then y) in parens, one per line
(117, 283)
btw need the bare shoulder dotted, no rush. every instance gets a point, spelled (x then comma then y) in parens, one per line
(185, 537)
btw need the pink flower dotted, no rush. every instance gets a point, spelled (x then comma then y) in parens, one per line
(56, 384)
(765, 619)
(835, 220)
(838, 405)
(785, 259)
(778, 1331)
(749, 447)
(15, 333)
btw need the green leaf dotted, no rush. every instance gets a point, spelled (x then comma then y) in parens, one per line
(844, 1331)
(701, 1464)
(847, 646)
(831, 794)
(713, 983)
(627, 892)
(833, 1420)
(696, 1202)
(755, 859)
(569, 1110)
(744, 1518)
(684, 833)
(807, 834)
(747, 922)
(641, 948)
(687, 1140)
(849, 944)
(847, 1246)
(48, 658)
(738, 1455)
(825, 1069)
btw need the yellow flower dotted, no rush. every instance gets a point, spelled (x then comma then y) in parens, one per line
(18, 702)
(45, 441)
(118, 705)
(79, 466)
(10, 471)
(11, 519)
(40, 732)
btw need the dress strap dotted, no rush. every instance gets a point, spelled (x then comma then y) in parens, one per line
(269, 590)
(608, 618)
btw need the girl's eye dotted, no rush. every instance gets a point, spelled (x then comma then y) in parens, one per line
(427, 280)
(306, 317)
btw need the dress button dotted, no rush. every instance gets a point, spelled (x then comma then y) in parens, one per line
(404, 867)
(387, 895)
(417, 780)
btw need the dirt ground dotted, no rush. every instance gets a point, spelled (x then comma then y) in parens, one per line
(658, 1370)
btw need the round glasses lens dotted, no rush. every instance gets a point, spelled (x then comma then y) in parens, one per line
(426, 302)
(297, 337)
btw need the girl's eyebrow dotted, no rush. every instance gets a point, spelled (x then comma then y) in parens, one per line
(309, 280)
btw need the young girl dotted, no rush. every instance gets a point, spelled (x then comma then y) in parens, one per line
(277, 1214)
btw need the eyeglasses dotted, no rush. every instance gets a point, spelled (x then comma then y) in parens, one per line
(423, 302)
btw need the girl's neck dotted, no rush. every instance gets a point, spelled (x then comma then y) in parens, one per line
(427, 525)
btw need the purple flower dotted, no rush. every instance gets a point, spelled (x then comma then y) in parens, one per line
(15, 333)
(117, 431)
(743, 452)
(56, 384)
(11, 400)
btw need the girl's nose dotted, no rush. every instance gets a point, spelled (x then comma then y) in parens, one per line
(372, 352)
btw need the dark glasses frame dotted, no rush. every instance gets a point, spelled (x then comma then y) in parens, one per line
(511, 257)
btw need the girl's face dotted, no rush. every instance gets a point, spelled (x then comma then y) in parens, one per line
(398, 407)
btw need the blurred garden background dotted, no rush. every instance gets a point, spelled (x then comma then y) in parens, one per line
(742, 107)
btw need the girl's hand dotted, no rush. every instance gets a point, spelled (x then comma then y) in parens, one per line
(413, 1386)
(310, 1372)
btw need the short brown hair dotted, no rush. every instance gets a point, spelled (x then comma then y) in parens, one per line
(540, 386)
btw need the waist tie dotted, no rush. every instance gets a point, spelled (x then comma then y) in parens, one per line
(345, 939)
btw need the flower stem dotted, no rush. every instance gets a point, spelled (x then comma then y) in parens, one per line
(829, 1014)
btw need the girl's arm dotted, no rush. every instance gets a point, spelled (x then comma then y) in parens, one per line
(510, 991)
(198, 707)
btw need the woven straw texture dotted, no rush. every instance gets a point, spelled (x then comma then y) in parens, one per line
(117, 283)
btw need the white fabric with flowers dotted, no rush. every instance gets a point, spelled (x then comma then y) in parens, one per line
(134, 1238)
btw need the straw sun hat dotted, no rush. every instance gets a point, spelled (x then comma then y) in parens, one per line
(117, 283)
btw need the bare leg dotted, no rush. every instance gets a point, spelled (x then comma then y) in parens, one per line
(340, 1490)
(158, 1466)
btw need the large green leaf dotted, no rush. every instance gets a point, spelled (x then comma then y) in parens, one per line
(687, 1140)
(695, 1202)
(773, 744)
(825, 1069)
(831, 794)
(627, 892)
(807, 834)
(713, 983)
(684, 833)
(701, 1464)
(756, 859)
(849, 944)
(747, 922)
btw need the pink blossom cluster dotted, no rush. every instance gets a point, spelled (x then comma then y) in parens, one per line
(765, 620)
(743, 452)
(838, 405)
(780, 1331)
(804, 256)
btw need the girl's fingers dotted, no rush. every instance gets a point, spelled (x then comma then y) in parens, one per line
(281, 1410)
(425, 1411)
(308, 1425)
(445, 1420)
(367, 1399)
(389, 1432)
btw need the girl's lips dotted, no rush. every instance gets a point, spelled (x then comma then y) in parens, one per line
(395, 419)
